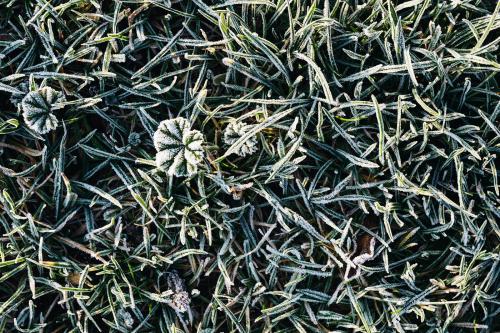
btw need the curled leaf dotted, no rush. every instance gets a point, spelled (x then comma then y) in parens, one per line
(365, 248)
(236, 130)
(179, 149)
(37, 109)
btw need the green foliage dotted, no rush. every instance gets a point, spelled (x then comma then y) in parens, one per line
(37, 109)
(235, 131)
(249, 166)
(179, 148)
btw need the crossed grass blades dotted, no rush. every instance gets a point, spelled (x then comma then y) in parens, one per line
(369, 200)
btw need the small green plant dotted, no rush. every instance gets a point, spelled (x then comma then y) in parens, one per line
(179, 149)
(38, 107)
(235, 131)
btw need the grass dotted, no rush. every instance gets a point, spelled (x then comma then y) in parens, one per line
(249, 166)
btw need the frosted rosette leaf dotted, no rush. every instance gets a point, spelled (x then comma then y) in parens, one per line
(37, 109)
(234, 131)
(179, 148)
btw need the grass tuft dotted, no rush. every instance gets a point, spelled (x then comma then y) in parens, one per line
(249, 166)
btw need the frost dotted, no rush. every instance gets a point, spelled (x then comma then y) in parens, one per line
(179, 149)
(37, 109)
(236, 130)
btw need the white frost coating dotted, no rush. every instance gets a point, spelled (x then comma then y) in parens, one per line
(37, 109)
(236, 130)
(179, 149)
